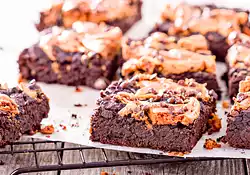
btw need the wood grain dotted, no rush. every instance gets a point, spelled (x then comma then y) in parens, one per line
(222, 167)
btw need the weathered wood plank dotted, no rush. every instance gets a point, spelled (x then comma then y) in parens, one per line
(222, 167)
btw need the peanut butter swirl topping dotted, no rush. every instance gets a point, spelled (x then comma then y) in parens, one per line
(167, 55)
(8, 105)
(162, 100)
(190, 19)
(242, 101)
(238, 56)
(89, 10)
(84, 38)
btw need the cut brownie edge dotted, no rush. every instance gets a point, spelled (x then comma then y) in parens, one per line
(110, 128)
(238, 131)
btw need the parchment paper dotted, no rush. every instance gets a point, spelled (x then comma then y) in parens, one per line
(13, 38)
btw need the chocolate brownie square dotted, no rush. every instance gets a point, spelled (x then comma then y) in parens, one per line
(151, 112)
(238, 128)
(22, 109)
(87, 54)
(120, 13)
(170, 57)
(215, 23)
(238, 59)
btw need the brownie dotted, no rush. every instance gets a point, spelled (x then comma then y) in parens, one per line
(170, 57)
(22, 108)
(239, 118)
(87, 55)
(151, 112)
(215, 23)
(237, 61)
(120, 13)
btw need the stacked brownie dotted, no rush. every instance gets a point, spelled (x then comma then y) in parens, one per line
(158, 113)
(171, 57)
(213, 22)
(87, 54)
(238, 61)
(21, 109)
(120, 13)
(239, 118)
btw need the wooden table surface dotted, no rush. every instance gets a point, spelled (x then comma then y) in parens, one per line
(12, 162)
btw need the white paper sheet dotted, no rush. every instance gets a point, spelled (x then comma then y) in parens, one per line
(63, 98)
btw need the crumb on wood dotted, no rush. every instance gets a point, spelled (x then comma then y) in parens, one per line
(78, 105)
(48, 129)
(78, 89)
(214, 124)
(211, 144)
(225, 104)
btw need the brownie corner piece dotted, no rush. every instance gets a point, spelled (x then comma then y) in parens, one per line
(21, 109)
(237, 134)
(208, 20)
(87, 55)
(120, 13)
(151, 112)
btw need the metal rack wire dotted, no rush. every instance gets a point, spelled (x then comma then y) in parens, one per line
(59, 148)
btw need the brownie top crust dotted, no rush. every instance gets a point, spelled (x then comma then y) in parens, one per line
(160, 100)
(203, 19)
(12, 98)
(84, 37)
(70, 11)
(242, 101)
(167, 55)
(238, 55)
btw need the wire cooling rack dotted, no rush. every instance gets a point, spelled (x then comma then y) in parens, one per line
(59, 148)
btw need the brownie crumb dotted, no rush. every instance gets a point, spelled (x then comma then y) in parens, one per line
(78, 89)
(225, 104)
(214, 124)
(221, 139)
(104, 173)
(78, 105)
(74, 116)
(48, 129)
(129, 172)
(63, 127)
(174, 153)
(211, 144)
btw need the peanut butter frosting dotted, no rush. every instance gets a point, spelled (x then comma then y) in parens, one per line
(174, 61)
(162, 101)
(242, 101)
(96, 11)
(238, 56)
(85, 38)
(159, 41)
(191, 19)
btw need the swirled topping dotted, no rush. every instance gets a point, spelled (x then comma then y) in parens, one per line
(8, 105)
(84, 38)
(167, 55)
(96, 11)
(238, 56)
(191, 19)
(161, 100)
(159, 41)
(242, 101)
